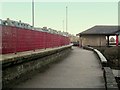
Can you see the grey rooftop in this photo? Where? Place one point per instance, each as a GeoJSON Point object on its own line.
{"type": "Point", "coordinates": [101, 30]}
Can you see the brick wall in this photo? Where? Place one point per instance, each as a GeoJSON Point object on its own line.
{"type": "Point", "coordinates": [93, 40]}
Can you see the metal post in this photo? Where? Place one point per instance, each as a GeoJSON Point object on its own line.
{"type": "Point", "coordinates": [100, 40]}
{"type": "Point", "coordinates": [80, 44]}
{"type": "Point", "coordinates": [63, 25]}
{"type": "Point", "coordinates": [33, 13]}
{"type": "Point", "coordinates": [66, 18]}
{"type": "Point", "coordinates": [117, 41]}
{"type": "Point", "coordinates": [107, 40]}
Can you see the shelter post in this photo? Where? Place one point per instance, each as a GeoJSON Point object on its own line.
{"type": "Point", "coordinates": [117, 41]}
{"type": "Point", "coordinates": [107, 40]}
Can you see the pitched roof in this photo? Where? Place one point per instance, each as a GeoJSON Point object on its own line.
{"type": "Point", "coordinates": [101, 30]}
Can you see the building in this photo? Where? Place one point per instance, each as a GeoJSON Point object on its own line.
{"type": "Point", "coordinates": [99, 35]}
{"type": "Point", "coordinates": [73, 38]}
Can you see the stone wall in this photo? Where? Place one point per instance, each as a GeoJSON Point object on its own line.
{"type": "Point", "coordinates": [21, 71]}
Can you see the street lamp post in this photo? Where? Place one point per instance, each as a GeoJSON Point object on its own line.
{"type": "Point", "coordinates": [33, 13]}
{"type": "Point", "coordinates": [66, 18]}
{"type": "Point", "coordinates": [63, 25]}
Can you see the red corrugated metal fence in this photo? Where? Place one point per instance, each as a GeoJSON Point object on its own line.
{"type": "Point", "coordinates": [16, 39]}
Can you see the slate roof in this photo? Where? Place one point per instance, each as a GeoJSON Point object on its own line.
{"type": "Point", "coordinates": [101, 30]}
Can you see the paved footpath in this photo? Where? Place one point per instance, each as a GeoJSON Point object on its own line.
{"type": "Point", "coordinates": [81, 69]}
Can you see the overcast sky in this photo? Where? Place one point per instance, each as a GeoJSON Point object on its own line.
{"type": "Point", "coordinates": [81, 15]}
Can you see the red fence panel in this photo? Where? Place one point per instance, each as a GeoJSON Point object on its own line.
{"type": "Point", "coordinates": [16, 39]}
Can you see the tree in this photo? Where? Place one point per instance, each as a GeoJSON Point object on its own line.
{"type": "Point", "coordinates": [112, 39]}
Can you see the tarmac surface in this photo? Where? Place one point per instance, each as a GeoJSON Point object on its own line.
{"type": "Point", "coordinates": [81, 69]}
